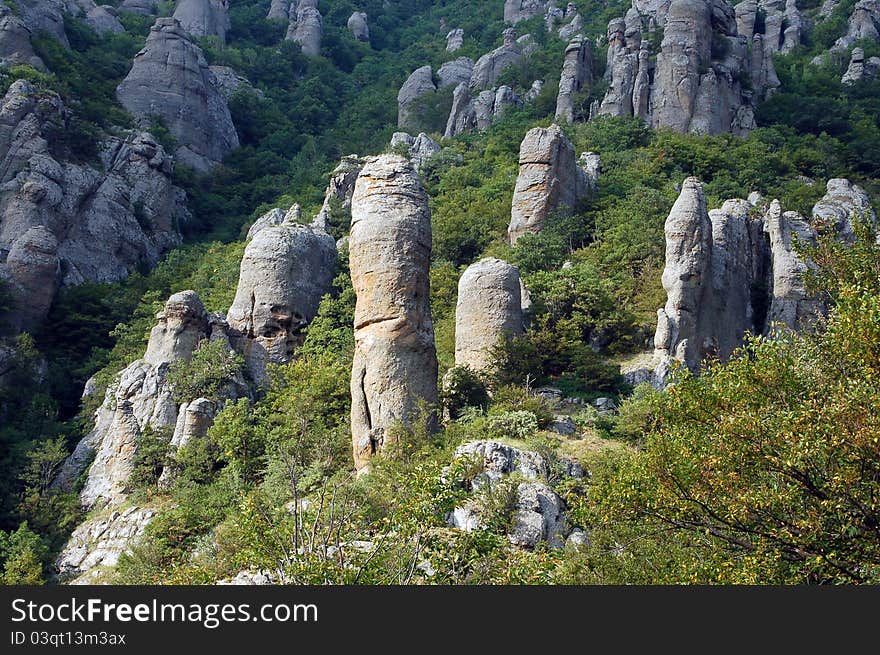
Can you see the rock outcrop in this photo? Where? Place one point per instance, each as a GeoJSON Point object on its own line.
{"type": "Point", "coordinates": [472, 111]}
{"type": "Point", "coordinates": [492, 64]}
{"type": "Point", "coordinates": [863, 24]}
{"type": "Point", "coordinates": [454, 40]}
{"type": "Point", "coordinates": [395, 363]}
{"type": "Point", "coordinates": [489, 309]}
{"type": "Point", "coordinates": [418, 84]}
{"type": "Point", "coordinates": [15, 42]}
{"type": "Point", "coordinates": [577, 73]}
{"type": "Point", "coordinates": [306, 27]}
{"type": "Point", "coordinates": [278, 10]}
{"type": "Point", "coordinates": [713, 65]}
{"type": "Point", "coordinates": [66, 223]}
{"type": "Point", "coordinates": [171, 80]}
{"type": "Point", "coordinates": [201, 18]}
{"type": "Point", "coordinates": [357, 25]}
{"type": "Point", "coordinates": [519, 10]}
{"type": "Point", "coordinates": [860, 68]}
{"type": "Point", "coordinates": [455, 72]}
{"type": "Point", "coordinates": [738, 269]}
{"type": "Point", "coordinates": [549, 178]}
{"type": "Point", "coordinates": [285, 271]}
{"type": "Point", "coordinates": [337, 196]}
{"type": "Point", "coordinates": [418, 149]}
{"type": "Point", "coordinates": [142, 7]}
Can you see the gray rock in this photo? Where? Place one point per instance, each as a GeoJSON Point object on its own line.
{"type": "Point", "coordinates": [418, 149]}
{"type": "Point", "coordinates": [105, 223]}
{"type": "Point", "coordinates": [285, 271]}
{"type": "Point", "coordinates": [573, 27]}
{"type": "Point", "coordinates": [15, 42]}
{"type": "Point", "coordinates": [418, 84]}
{"type": "Point", "coordinates": [272, 217]}
{"type": "Point", "coordinates": [577, 73]}
{"type": "Point", "coordinates": [563, 425]}
{"type": "Point", "coordinates": [250, 578]}
{"type": "Point", "coordinates": [170, 79]}
{"type": "Point", "coordinates": [45, 16]}
{"type": "Point", "coordinates": [395, 363]}
{"type": "Point", "coordinates": [228, 82]}
{"type": "Point", "coordinates": [859, 68]}
{"type": "Point", "coordinates": [278, 10]}
{"type": "Point", "coordinates": [306, 28]}
{"type": "Point", "coordinates": [454, 40]}
{"type": "Point", "coordinates": [538, 516]}
{"type": "Point", "coordinates": [337, 196]}
{"type": "Point", "coordinates": [357, 25]}
{"type": "Point", "coordinates": [142, 7]}
{"type": "Point", "coordinates": [862, 25]}
{"type": "Point", "coordinates": [843, 203]}
{"type": "Point", "coordinates": [605, 405]}
{"type": "Point", "coordinates": [549, 178]}
{"type": "Point", "coordinates": [577, 539]}
{"type": "Point", "coordinates": [489, 308]}
{"type": "Point", "coordinates": [490, 66]}
{"type": "Point", "coordinates": [519, 10]}
{"type": "Point", "coordinates": [454, 72]}
{"type": "Point", "coordinates": [33, 271]}
{"type": "Point", "coordinates": [497, 460]}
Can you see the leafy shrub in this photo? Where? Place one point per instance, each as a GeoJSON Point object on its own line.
{"type": "Point", "coordinates": [207, 374]}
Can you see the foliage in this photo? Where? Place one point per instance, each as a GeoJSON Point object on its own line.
{"type": "Point", "coordinates": [207, 374]}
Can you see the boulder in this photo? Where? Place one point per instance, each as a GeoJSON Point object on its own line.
{"type": "Point", "coordinates": [490, 66]}
{"type": "Point", "coordinates": [15, 42]}
{"type": "Point", "coordinates": [577, 73]}
{"type": "Point", "coordinates": [418, 84]}
{"type": "Point", "coordinates": [549, 178]}
{"type": "Point", "coordinates": [170, 79]}
{"type": "Point", "coordinates": [285, 271]}
{"type": "Point", "coordinates": [418, 149]}
{"type": "Point", "coordinates": [489, 308]}
{"type": "Point", "coordinates": [142, 7]}
{"type": "Point", "coordinates": [842, 203]}
{"type": "Point", "coordinates": [306, 28]}
{"type": "Point", "coordinates": [454, 72]}
{"type": "Point", "coordinates": [860, 68]}
{"type": "Point", "coordinates": [278, 10]}
{"type": "Point", "coordinates": [519, 10]}
{"type": "Point", "coordinates": [357, 25]}
{"type": "Point", "coordinates": [395, 363]}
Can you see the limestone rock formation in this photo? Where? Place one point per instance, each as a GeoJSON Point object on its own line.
{"type": "Point", "coordinates": [419, 83]}
{"type": "Point", "coordinates": [538, 512]}
{"type": "Point", "coordinates": [738, 269]}
{"type": "Point", "coordinates": [272, 217]}
{"type": "Point", "coordinates": [455, 72]}
{"type": "Point", "coordinates": [860, 68]}
{"type": "Point", "coordinates": [395, 363]}
{"type": "Point", "coordinates": [337, 196]}
{"type": "Point", "coordinates": [285, 271]}
{"type": "Point", "coordinates": [549, 178]}
{"type": "Point", "coordinates": [15, 41]}
{"type": "Point", "coordinates": [278, 10]}
{"type": "Point", "coordinates": [170, 79]}
{"type": "Point", "coordinates": [142, 7]}
{"type": "Point", "coordinates": [454, 40]}
{"type": "Point", "coordinates": [574, 23]}
{"type": "Point", "coordinates": [472, 111]}
{"type": "Point", "coordinates": [228, 82]}
{"type": "Point", "coordinates": [419, 149]}
{"type": "Point", "coordinates": [711, 69]}
{"type": "Point", "coordinates": [519, 10]}
{"type": "Point", "coordinates": [577, 73]}
{"type": "Point", "coordinates": [489, 308]}
{"type": "Point", "coordinates": [489, 66]}
{"type": "Point", "coordinates": [45, 16]}
{"type": "Point", "coordinates": [306, 27]}
{"type": "Point", "coordinates": [864, 23]}
{"type": "Point", "coordinates": [357, 25]}
{"type": "Point", "coordinates": [98, 225]}
{"type": "Point", "coordinates": [141, 397]}
{"type": "Point", "coordinates": [201, 18]}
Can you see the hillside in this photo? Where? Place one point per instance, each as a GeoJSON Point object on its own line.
{"type": "Point", "coordinates": [332, 291]}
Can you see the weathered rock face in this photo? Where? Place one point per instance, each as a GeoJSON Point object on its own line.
{"type": "Point", "coordinates": [99, 542]}
{"type": "Point", "coordinates": [202, 18]}
{"type": "Point", "coordinates": [471, 111]}
{"type": "Point", "coordinates": [549, 178]}
{"type": "Point", "coordinates": [864, 23]}
{"type": "Point", "coordinates": [419, 149]}
{"type": "Point", "coordinates": [395, 363]}
{"type": "Point", "coordinates": [357, 25]}
{"type": "Point", "coordinates": [736, 269]}
{"type": "Point", "coordinates": [538, 512]}
{"type": "Point", "coordinates": [170, 79]}
{"type": "Point", "coordinates": [418, 84]}
{"type": "Point", "coordinates": [48, 16]}
{"type": "Point", "coordinates": [306, 27]}
{"type": "Point", "coordinates": [455, 72]}
{"type": "Point", "coordinates": [489, 308]}
{"type": "Point", "coordinates": [228, 82]}
{"type": "Point", "coordinates": [490, 66]}
{"type": "Point", "coordinates": [142, 7]}
{"type": "Point", "coordinates": [454, 40]}
{"type": "Point", "coordinates": [577, 73]}
{"type": "Point", "coordinates": [278, 10]}
{"type": "Point", "coordinates": [141, 397]}
{"type": "Point", "coordinates": [15, 41]}
{"type": "Point", "coordinates": [337, 196]}
{"type": "Point", "coordinates": [97, 225]}
{"type": "Point", "coordinates": [285, 271]}
{"type": "Point", "coordinates": [695, 82]}
{"type": "Point", "coordinates": [518, 10]}
{"type": "Point", "coordinates": [860, 68]}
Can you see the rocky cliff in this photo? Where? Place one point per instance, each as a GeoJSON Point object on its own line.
{"type": "Point", "coordinates": [170, 81]}
{"type": "Point", "coordinates": [201, 18]}
{"type": "Point", "coordinates": [64, 223]}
